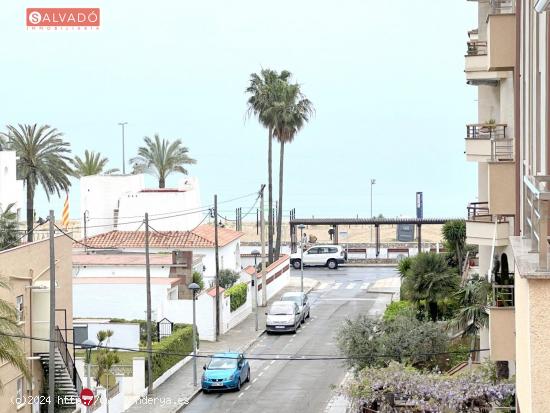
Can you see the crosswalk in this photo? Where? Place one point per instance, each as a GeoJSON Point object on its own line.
{"type": "Point", "coordinates": [344, 286]}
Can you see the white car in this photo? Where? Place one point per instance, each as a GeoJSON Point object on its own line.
{"type": "Point", "coordinates": [326, 255]}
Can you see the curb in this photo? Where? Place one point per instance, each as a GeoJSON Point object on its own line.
{"type": "Point", "coordinates": [246, 347]}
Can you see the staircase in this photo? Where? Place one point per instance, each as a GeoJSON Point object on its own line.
{"type": "Point", "coordinates": [67, 381]}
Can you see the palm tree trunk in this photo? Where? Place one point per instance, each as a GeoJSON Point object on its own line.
{"type": "Point", "coordinates": [270, 197]}
{"type": "Point", "coordinates": [280, 210]}
{"type": "Point", "coordinates": [30, 212]}
{"type": "Point", "coordinates": [432, 308]}
{"type": "Point", "coordinates": [162, 182]}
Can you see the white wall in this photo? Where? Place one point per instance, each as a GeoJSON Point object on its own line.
{"type": "Point", "coordinates": [119, 271]}
{"type": "Point", "coordinates": [11, 190]}
{"type": "Point", "coordinates": [125, 335]}
{"type": "Point", "coordinates": [108, 300]}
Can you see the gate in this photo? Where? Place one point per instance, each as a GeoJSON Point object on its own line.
{"type": "Point", "coordinates": [164, 328]}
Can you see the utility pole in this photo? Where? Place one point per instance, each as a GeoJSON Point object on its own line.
{"type": "Point", "coordinates": [262, 241]}
{"type": "Point", "coordinates": [217, 267]}
{"type": "Point", "coordinates": [123, 150]}
{"type": "Point", "coordinates": [372, 182]}
{"type": "Point", "coordinates": [85, 240]}
{"type": "Point", "coordinates": [148, 282]}
{"type": "Point", "coordinates": [51, 361]}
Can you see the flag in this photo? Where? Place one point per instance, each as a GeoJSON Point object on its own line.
{"type": "Point", "coordinates": [65, 214]}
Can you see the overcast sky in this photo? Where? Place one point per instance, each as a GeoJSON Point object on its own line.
{"type": "Point", "coordinates": [386, 79]}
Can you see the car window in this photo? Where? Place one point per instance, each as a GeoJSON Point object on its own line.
{"type": "Point", "coordinates": [222, 363]}
{"type": "Point", "coordinates": [313, 251]}
{"type": "Point", "coordinates": [332, 250]}
{"type": "Point", "coordinates": [323, 250]}
{"type": "Point", "coordinates": [294, 298]}
{"type": "Point", "coordinates": [280, 310]}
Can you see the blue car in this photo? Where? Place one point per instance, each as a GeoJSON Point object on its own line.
{"type": "Point", "coordinates": [225, 371]}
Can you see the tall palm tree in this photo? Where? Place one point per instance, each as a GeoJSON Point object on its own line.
{"type": "Point", "coordinates": [92, 164]}
{"type": "Point", "coordinates": [454, 233]}
{"type": "Point", "coordinates": [263, 94]}
{"type": "Point", "coordinates": [473, 313]}
{"type": "Point", "coordinates": [43, 158]}
{"type": "Point", "coordinates": [10, 347]}
{"type": "Point", "coordinates": [429, 279]}
{"type": "Point", "coordinates": [161, 157]}
{"type": "Point", "coordinates": [291, 112]}
{"type": "Point", "coordinates": [8, 227]}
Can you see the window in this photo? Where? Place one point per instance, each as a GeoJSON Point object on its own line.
{"type": "Point", "coordinates": [19, 308]}
{"type": "Point", "coordinates": [19, 395]}
{"type": "Point", "coordinates": [313, 251]}
{"type": "Point", "coordinates": [333, 250]}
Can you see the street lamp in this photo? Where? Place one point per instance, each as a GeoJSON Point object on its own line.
{"type": "Point", "coordinates": [301, 226]}
{"type": "Point", "coordinates": [372, 182]}
{"type": "Point", "coordinates": [88, 345]}
{"type": "Point", "coordinates": [123, 156]}
{"type": "Point", "coordinates": [256, 254]}
{"type": "Point", "coordinates": [195, 288]}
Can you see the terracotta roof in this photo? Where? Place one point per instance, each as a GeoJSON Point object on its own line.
{"type": "Point", "coordinates": [212, 291]}
{"type": "Point", "coordinates": [250, 270]}
{"type": "Point", "coordinates": [200, 237]}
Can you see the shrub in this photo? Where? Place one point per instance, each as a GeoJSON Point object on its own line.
{"type": "Point", "coordinates": [228, 278]}
{"type": "Point", "coordinates": [398, 308]}
{"type": "Point", "coordinates": [237, 295]}
{"type": "Point", "coordinates": [197, 278]}
{"type": "Point", "coordinates": [180, 342]}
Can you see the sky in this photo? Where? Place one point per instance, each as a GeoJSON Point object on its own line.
{"type": "Point", "coordinates": [386, 79]}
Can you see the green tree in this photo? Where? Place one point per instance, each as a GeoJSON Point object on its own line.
{"type": "Point", "coordinates": [228, 278]}
{"type": "Point", "coordinates": [8, 228]}
{"type": "Point", "coordinates": [43, 158]}
{"type": "Point", "coordinates": [290, 114]}
{"type": "Point", "coordinates": [105, 357]}
{"type": "Point", "coordinates": [454, 233]}
{"type": "Point", "coordinates": [429, 280]}
{"type": "Point", "coordinates": [10, 347]}
{"type": "Point", "coordinates": [197, 279]}
{"type": "Point", "coordinates": [472, 314]}
{"type": "Point", "coordinates": [262, 90]}
{"type": "Point", "coordinates": [92, 164]}
{"type": "Point", "coordinates": [162, 157]}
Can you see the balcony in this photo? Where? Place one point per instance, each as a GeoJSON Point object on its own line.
{"type": "Point", "coordinates": [502, 331]}
{"type": "Point", "coordinates": [488, 142]}
{"type": "Point", "coordinates": [501, 187]}
{"type": "Point", "coordinates": [482, 228]}
{"type": "Point", "coordinates": [501, 41]}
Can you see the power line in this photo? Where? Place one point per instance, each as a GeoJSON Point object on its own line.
{"type": "Point", "coordinates": [254, 356]}
{"type": "Point", "coordinates": [245, 215]}
{"type": "Point", "coordinates": [88, 246]}
{"type": "Point", "coordinates": [16, 242]}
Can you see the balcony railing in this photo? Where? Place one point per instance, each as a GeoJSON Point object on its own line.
{"type": "Point", "coordinates": [479, 211]}
{"type": "Point", "coordinates": [503, 295]}
{"type": "Point", "coordinates": [486, 131]}
{"type": "Point", "coordinates": [502, 6]}
{"type": "Point", "coordinates": [535, 204]}
{"type": "Point", "coordinates": [502, 149]}
{"type": "Point", "coordinates": [476, 48]}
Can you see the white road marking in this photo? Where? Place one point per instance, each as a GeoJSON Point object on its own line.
{"type": "Point", "coordinates": [260, 374]}
{"type": "Point", "coordinates": [240, 395]}
{"type": "Point", "coordinates": [350, 286]}
{"type": "Point", "coordinates": [291, 340]}
{"type": "Point", "coordinates": [364, 286]}
{"type": "Point", "coordinates": [255, 380]}
{"type": "Point", "coordinates": [336, 286]}
{"type": "Point", "coordinates": [246, 388]}
{"type": "Point", "coordinates": [273, 361]}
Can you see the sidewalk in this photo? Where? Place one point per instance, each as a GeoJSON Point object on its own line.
{"type": "Point", "coordinates": [178, 390]}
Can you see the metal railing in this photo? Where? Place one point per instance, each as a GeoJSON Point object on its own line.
{"type": "Point", "coordinates": [126, 370]}
{"type": "Point", "coordinates": [535, 204]}
{"type": "Point", "coordinates": [486, 131]}
{"type": "Point", "coordinates": [503, 295]}
{"type": "Point", "coordinates": [476, 48]}
{"type": "Point", "coordinates": [61, 345]}
{"type": "Point", "coordinates": [502, 149]}
{"type": "Point", "coordinates": [479, 211]}
{"type": "Point", "coordinates": [502, 6]}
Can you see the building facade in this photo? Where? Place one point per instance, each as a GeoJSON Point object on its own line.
{"type": "Point", "coordinates": [11, 189]}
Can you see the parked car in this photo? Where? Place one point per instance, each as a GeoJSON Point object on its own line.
{"type": "Point", "coordinates": [302, 300]}
{"type": "Point", "coordinates": [225, 371]}
{"type": "Point", "coordinates": [283, 316]}
{"type": "Point", "coordinates": [327, 255]}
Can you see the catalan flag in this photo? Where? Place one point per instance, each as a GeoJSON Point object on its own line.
{"type": "Point", "coordinates": [65, 214]}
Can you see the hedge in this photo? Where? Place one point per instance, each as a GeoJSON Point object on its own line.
{"type": "Point", "coordinates": [180, 342]}
{"type": "Point", "coordinates": [237, 295]}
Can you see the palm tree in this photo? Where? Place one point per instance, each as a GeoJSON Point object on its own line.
{"type": "Point", "coordinates": [43, 158]}
{"type": "Point", "coordinates": [10, 347]}
{"type": "Point", "coordinates": [429, 279]}
{"type": "Point", "coordinates": [8, 228]}
{"type": "Point", "coordinates": [162, 157]}
{"type": "Point", "coordinates": [473, 314]}
{"type": "Point", "coordinates": [290, 113]}
{"type": "Point", "coordinates": [92, 164]}
{"type": "Point", "coordinates": [263, 94]}
{"type": "Point", "coordinates": [454, 232]}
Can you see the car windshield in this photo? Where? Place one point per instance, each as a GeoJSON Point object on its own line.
{"type": "Point", "coordinates": [280, 310]}
{"type": "Point", "coordinates": [293, 298]}
{"type": "Point", "coordinates": [222, 363]}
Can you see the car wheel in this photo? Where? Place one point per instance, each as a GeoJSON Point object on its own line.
{"type": "Point", "coordinates": [297, 264]}
{"type": "Point", "coordinates": [248, 376]}
{"type": "Point", "coordinates": [238, 384]}
{"type": "Point", "coordinates": [308, 315]}
{"type": "Point", "coordinates": [205, 391]}
{"type": "Point", "coordinates": [332, 264]}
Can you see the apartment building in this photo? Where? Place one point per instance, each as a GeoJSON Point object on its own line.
{"type": "Point", "coordinates": [519, 329]}
{"type": "Point", "coordinates": [26, 269]}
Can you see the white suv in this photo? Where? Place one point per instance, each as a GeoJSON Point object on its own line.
{"type": "Point", "coordinates": [327, 255]}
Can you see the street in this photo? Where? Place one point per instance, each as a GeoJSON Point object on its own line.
{"type": "Point", "coordinates": [304, 386]}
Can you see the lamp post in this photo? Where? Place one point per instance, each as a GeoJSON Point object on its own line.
{"type": "Point", "coordinates": [123, 155]}
{"type": "Point", "coordinates": [372, 182]}
{"type": "Point", "coordinates": [194, 287]}
{"type": "Point", "coordinates": [88, 345]}
{"type": "Point", "coordinates": [256, 254]}
{"type": "Point", "coordinates": [301, 226]}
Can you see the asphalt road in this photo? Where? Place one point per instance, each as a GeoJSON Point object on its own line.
{"type": "Point", "coordinates": [303, 386]}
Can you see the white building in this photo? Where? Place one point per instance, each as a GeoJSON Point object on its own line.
{"type": "Point", "coordinates": [11, 189]}
{"type": "Point", "coordinates": [114, 202]}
